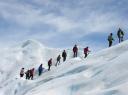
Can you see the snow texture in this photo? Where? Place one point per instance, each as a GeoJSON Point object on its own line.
{"type": "Point", "coordinates": [102, 73]}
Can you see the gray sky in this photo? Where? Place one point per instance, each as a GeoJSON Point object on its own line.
{"type": "Point", "coordinates": [62, 23]}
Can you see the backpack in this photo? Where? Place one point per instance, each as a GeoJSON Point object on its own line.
{"type": "Point", "coordinates": [110, 38]}
{"type": "Point", "coordinates": [122, 33]}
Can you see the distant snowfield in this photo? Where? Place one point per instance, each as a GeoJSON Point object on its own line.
{"type": "Point", "coordinates": [102, 73]}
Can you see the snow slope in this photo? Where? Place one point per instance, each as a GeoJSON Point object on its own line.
{"type": "Point", "coordinates": [102, 73]}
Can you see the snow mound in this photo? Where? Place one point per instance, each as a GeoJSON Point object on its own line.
{"type": "Point", "coordinates": [31, 43]}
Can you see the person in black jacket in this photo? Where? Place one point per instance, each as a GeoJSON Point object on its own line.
{"type": "Point", "coordinates": [120, 35]}
{"type": "Point", "coordinates": [58, 60]}
{"type": "Point", "coordinates": [64, 55]}
{"type": "Point", "coordinates": [27, 74]}
{"type": "Point", "coordinates": [110, 39]}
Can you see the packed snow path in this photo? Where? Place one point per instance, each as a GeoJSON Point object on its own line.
{"type": "Point", "coordinates": [102, 73]}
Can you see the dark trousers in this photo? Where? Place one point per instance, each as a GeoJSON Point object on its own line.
{"type": "Point", "coordinates": [110, 43]}
{"type": "Point", "coordinates": [86, 54]}
{"type": "Point", "coordinates": [49, 67]}
{"type": "Point", "coordinates": [21, 75]}
{"type": "Point", "coordinates": [120, 39]}
{"type": "Point", "coordinates": [75, 54]}
{"type": "Point", "coordinates": [27, 76]}
{"type": "Point", "coordinates": [57, 63]}
{"type": "Point", "coordinates": [40, 72]}
{"type": "Point", "coordinates": [64, 59]}
{"type": "Point", "coordinates": [31, 77]}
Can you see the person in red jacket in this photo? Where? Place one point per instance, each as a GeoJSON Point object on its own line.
{"type": "Point", "coordinates": [75, 50]}
{"type": "Point", "coordinates": [31, 73]}
{"type": "Point", "coordinates": [49, 64]}
{"type": "Point", "coordinates": [86, 50]}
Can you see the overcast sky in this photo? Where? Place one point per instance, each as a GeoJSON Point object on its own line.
{"type": "Point", "coordinates": [62, 23]}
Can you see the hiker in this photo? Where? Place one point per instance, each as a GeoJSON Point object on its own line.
{"type": "Point", "coordinates": [22, 72]}
{"type": "Point", "coordinates": [110, 39]}
{"type": "Point", "coordinates": [58, 60]}
{"type": "Point", "coordinates": [64, 55]}
{"type": "Point", "coordinates": [31, 73]}
{"type": "Point", "coordinates": [49, 64]}
{"type": "Point", "coordinates": [27, 74]}
{"type": "Point", "coordinates": [120, 35]}
{"type": "Point", "coordinates": [40, 69]}
{"type": "Point", "coordinates": [75, 50]}
{"type": "Point", "coordinates": [86, 51]}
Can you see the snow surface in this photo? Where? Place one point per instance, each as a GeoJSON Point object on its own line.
{"type": "Point", "coordinates": [102, 73]}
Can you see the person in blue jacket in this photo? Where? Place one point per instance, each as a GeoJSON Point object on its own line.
{"type": "Point", "coordinates": [40, 69]}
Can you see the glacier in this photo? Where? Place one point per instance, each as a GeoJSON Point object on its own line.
{"type": "Point", "coordinates": [102, 73]}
